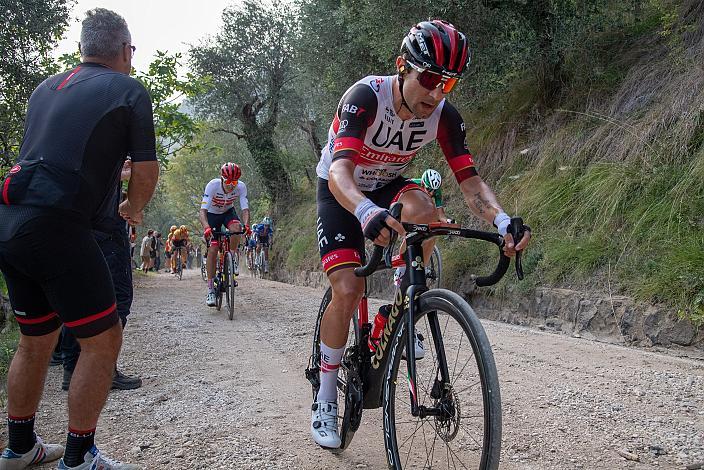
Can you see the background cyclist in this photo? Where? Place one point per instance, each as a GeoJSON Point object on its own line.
{"type": "Point", "coordinates": [265, 237]}
{"type": "Point", "coordinates": [217, 210]}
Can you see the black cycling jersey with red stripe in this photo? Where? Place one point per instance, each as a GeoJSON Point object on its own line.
{"type": "Point", "coordinates": [80, 126]}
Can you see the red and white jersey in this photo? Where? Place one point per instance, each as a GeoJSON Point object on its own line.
{"type": "Point", "coordinates": [217, 201]}
{"type": "Point", "coordinates": [367, 130]}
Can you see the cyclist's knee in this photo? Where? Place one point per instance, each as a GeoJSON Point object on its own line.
{"type": "Point", "coordinates": [418, 207]}
{"type": "Point", "coordinates": [347, 289]}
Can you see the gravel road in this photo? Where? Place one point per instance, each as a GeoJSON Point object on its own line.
{"type": "Point", "coordinates": [222, 394]}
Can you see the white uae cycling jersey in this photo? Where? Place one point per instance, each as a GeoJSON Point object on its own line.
{"type": "Point", "coordinates": [217, 201]}
{"type": "Point", "coordinates": [389, 143]}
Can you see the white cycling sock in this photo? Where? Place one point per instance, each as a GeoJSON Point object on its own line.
{"type": "Point", "coordinates": [329, 366]}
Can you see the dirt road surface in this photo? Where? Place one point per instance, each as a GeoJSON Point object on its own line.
{"type": "Point", "coordinates": [222, 394]}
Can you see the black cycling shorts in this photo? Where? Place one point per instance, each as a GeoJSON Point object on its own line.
{"type": "Point", "coordinates": [340, 237]}
{"type": "Point", "coordinates": [217, 221]}
{"type": "Point", "coordinates": [179, 243]}
{"type": "Point", "coordinates": [56, 274]}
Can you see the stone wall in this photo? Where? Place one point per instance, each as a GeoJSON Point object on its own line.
{"type": "Point", "coordinates": [615, 319]}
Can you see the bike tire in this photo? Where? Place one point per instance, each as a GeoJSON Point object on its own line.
{"type": "Point", "coordinates": [179, 261]}
{"type": "Point", "coordinates": [230, 284]}
{"type": "Point", "coordinates": [218, 285]}
{"type": "Point", "coordinates": [478, 440]}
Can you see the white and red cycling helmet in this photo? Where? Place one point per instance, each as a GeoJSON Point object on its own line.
{"type": "Point", "coordinates": [230, 172]}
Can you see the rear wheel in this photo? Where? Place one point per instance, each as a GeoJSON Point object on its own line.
{"type": "Point", "coordinates": [456, 384]}
{"type": "Point", "coordinates": [433, 270]}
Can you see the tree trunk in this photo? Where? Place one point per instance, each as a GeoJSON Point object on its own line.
{"type": "Point", "coordinates": [260, 141]}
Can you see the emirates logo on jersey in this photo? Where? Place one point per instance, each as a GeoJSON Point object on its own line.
{"type": "Point", "coordinates": [15, 169]}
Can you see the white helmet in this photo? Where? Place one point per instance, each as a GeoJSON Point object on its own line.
{"type": "Point", "coordinates": [431, 179]}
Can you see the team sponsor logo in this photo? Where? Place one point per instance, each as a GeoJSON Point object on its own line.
{"type": "Point", "coordinates": [396, 310]}
{"type": "Point", "coordinates": [322, 240]}
{"type": "Point", "coordinates": [462, 127]}
{"type": "Point", "coordinates": [352, 109]}
{"type": "Point", "coordinates": [20, 313]}
{"type": "Point", "coordinates": [374, 156]}
{"type": "Point", "coordinates": [376, 84]}
{"type": "Point", "coordinates": [421, 44]}
{"type": "Point", "coordinates": [417, 124]}
{"type": "Point", "coordinates": [15, 169]}
{"type": "Point", "coordinates": [384, 139]}
{"type": "Point", "coordinates": [343, 124]}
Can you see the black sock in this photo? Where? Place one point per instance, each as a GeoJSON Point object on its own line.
{"type": "Point", "coordinates": [21, 434]}
{"type": "Point", "coordinates": [77, 444]}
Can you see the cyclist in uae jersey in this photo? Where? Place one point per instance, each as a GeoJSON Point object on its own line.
{"type": "Point", "coordinates": [217, 210]}
{"type": "Point", "coordinates": [380, 124]}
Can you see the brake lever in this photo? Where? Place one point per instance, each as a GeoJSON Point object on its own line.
{"type": "Point", "coordinates": [395, 211]}
{"type": "Point", "coordinates": [517, 231]}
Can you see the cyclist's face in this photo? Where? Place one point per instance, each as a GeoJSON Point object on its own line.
{"type": "Point", "coordinates": [421, 101]}
{"type": "Point", "coordinates": [229, 186]}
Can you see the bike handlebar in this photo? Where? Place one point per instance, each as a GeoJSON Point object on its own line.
{"type": "Point", "coordinates": [416, 232]}
{"type": "Point", "coordinates": [226, 233]}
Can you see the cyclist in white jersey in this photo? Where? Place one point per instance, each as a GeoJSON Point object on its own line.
{"type": "Point", "coordinates": [217, 210]}
{"type": "Point", "coordinates": [380, 124]}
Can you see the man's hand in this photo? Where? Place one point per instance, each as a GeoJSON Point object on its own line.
{"type": "Point", "coordinates": [126, 172]}
{"type": "Point", "coordinates": [510, 248]}
{"type": "Point", "coordinates": [377, 227]}
{"type": "Point", "coordinates": [128, 213]}
{"type": "Point", "coordinates": [207, 232]}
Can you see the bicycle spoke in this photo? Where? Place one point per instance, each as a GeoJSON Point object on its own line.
{"type": "Point", "coordinates": [452, 452]}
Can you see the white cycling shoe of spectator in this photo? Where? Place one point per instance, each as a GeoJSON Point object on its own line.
{"type": "Point", "coordinates": [40, 453]}
{"type": "Point", "coordinates": [95, 460]}
{"type": "Point", "coordinates": [323, 424]}
{"type": "Point", "coordinates": [210, 299]}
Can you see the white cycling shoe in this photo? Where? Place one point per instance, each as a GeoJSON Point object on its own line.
{"type": "Point", "coordinates": [419, 347]}
{"type": "Point", "coordinates": [323, 424]}
{"type": "Point", "coordinates": [210, 299]}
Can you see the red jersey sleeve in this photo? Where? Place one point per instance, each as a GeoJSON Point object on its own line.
{"type": "Point", "coordinates": [452, 140]}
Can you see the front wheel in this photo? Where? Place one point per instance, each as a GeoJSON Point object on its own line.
{"type": "Point", "coordinates": [230, 284]}
{"type": "Point", "coordinates": [179, 266]}
{"type": "Point", "coordinates": [457, 388]}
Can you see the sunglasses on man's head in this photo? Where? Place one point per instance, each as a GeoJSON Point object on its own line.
{"type": "Point", "coordinates": [431, 80]}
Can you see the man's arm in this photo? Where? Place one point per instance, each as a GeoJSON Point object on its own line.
{"type": "Point", "coordinates": [482, 202]}
{"type": "Point", "coordinates": [141, 187]}
{"type": "Point", "coordinates": [203, 218]}
{"type": "Point", "coordinates": [245, 217]}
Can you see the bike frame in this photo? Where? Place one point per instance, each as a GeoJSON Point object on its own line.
{"type": "Point", "coordinates": [403, 310]}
